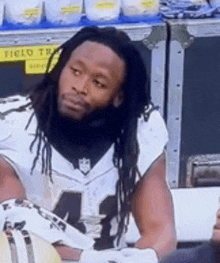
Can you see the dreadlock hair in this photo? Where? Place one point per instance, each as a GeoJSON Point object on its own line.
{"type": "Point", "coordinates": [136, 94]}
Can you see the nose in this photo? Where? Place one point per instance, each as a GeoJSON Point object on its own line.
{"type": "Point", "coordinates": [81, 86]}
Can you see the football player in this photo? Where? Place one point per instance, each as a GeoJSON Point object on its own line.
{"type": "Point", "coordinates": [85, 148]}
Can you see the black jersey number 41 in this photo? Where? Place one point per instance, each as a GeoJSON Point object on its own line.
{"type": "Point", "coordinates": [69, 209]}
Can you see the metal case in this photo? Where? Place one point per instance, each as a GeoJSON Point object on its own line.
{"type": "Point", "coordinates": [193, 108]}
{"type": "Point", "coordinates": [150, 39]}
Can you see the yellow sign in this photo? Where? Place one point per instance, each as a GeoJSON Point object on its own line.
{"type": "Point", "coordinates": [148, 4]}
{"type": "Point", "coordinates": [108, 5]}
{"type": "Point", "coordinates": [31, 12]}
{"type": "Point", "coordinates": [35, 57]}
{"type": "Point", "coordinates": [37, 66]}
{"type": "Point", "coordinates": [70, 9]}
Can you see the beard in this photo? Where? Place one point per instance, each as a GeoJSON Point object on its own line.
{"type": "Point", "coordinates": [89, 138]}
{"type": "Point", "coordinates": [105, 123]}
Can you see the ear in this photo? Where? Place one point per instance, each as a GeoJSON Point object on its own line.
{"type": "Point", "coordinates": [118, 99]}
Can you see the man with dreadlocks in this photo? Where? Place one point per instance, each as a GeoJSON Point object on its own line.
{"type": "Point", "coordinates": [83, 149]}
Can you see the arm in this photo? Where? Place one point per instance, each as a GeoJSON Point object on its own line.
{"type": "Point", "coordinates": [152, 208]}
{"type": "Point", "coordinates": [12, 188]}
{"type": "Point", "coordinates": [10, 185]}
{"type": "Point", "coordinates": [216, 229]}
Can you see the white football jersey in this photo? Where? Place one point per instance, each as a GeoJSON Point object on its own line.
{"type": "Point", "coordinates": [85, 200]}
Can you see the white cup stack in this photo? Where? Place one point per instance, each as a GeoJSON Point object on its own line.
{"type": "Point", "coordinates": [63, 12]}
{"type": "Point", "coordinates": [140, 7]}
{"type": "Point", "coordinates": [102, 10]}
{"type": "Point", "coordinates": [24, 12]}
{"type": "Point", "coordinates": [2, 5]}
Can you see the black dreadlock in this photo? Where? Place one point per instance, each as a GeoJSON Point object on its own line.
{"type": "Point", "coordinates": [136, 96]}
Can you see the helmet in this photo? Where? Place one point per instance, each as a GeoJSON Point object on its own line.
{"type": "Point", "coordinates": [22, 246]}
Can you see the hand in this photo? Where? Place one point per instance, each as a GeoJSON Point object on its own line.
{"type": "Point", "coordinates": [68, 253]}
{"type": "Point", "coordinates": [216, 229]}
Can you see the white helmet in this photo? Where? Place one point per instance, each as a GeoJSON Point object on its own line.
{"type": "Point", "coordinates": [21, 246]}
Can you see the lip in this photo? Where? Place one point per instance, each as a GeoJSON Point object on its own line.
{"type": "Point", "coordinates": [74, 102]}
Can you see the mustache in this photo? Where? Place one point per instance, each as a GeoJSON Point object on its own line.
{"type": "Point", "coordinates": [75, 99]}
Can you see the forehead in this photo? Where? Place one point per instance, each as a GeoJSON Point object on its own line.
{"type": "Point", "coordinates": [96, 53]}
{"type": "Point", "coordinates": [88, 46]}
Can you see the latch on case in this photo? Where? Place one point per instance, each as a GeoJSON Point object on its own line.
{"type": "Point", "coordinates": [203, 170]}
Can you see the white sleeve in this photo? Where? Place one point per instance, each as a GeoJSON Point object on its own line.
{"type": "Point", "coordinates": [152, 138]}
{"type": "Point", "coordinates": [5, 131]}
{"type": "Point", "coordinates": [14, 139]}
{"type": "Point", "coordinates": [24, 215]}
{"type": "Point", "coordinates": [10, 119]}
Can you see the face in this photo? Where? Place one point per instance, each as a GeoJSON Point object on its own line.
{"type": "Point", "coordinates": [91, 80]}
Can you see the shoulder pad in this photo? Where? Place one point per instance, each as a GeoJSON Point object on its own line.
{"type": "Point", "coordinates": [13, 103]}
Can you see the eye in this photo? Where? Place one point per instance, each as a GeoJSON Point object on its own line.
{"type": "Point", "coordinates": [99, 84]}
{"type": "Point", "coordinates": [75, 71]}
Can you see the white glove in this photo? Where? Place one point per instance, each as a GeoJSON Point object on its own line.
{"type": "Point", "coordinates": [103, 256]}
{"type": "Point", "coordinates": [136, 255]}
{"type": "Point", "coordinates": [126, 255]}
